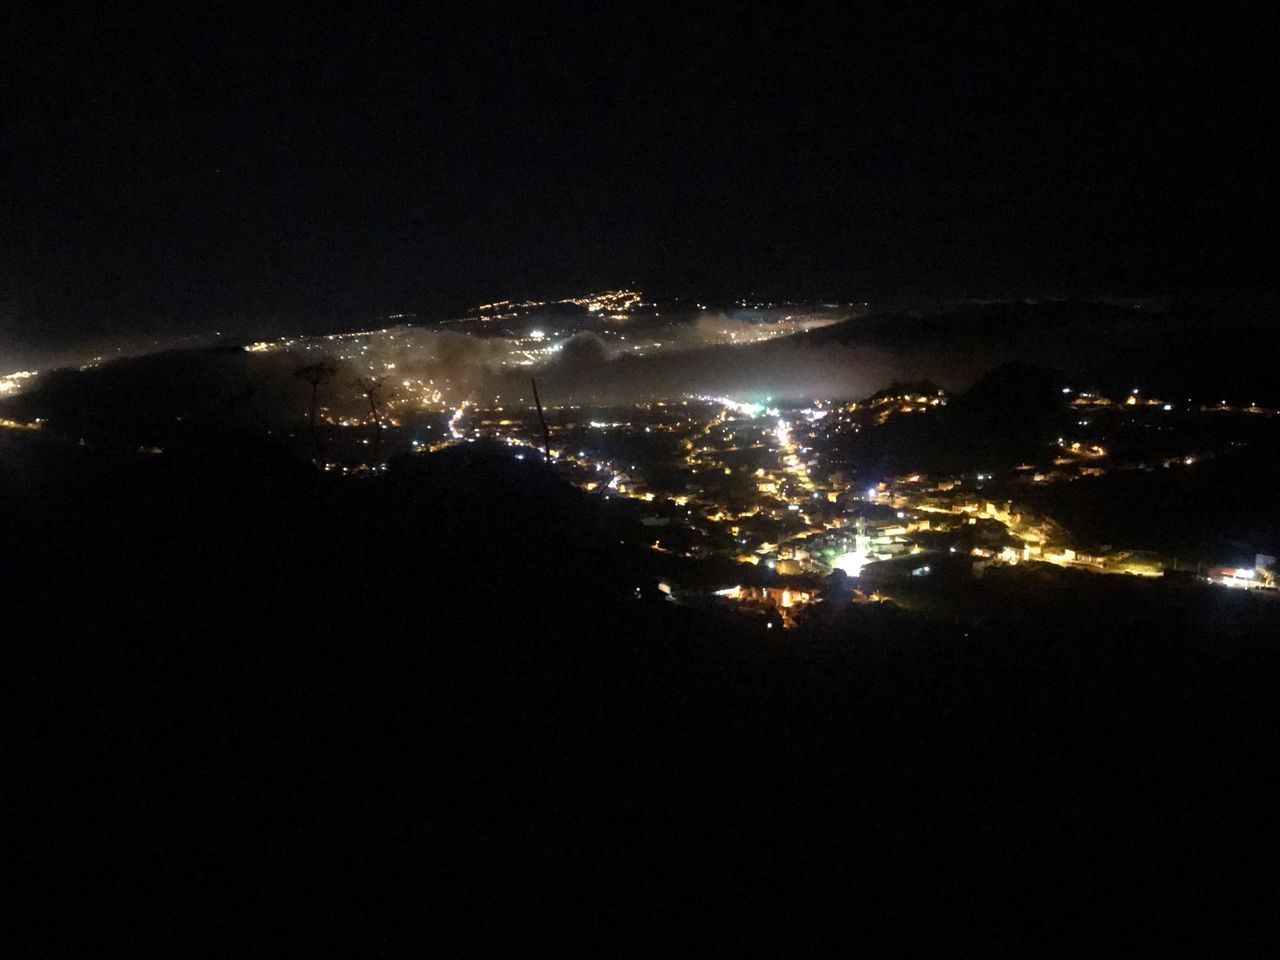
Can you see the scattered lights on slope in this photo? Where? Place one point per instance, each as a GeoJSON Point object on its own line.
{"type": "Point", "coordinates": [455, 421]}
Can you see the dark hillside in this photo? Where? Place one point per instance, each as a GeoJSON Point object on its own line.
{"type": "Point", "coordinates": [1002, 420]}
{"type": "Point", "coordinates": [261, 711]}
{"type": "Point", "coordinates": [1185, 350]}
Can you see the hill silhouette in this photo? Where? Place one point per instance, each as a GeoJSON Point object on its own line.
{"type": "Point", "coordinates": [187, 397]}
{"type": "Point", "coordinates": [1004, 419]}
{"type": "Point", "coordinates": [1185, 349]}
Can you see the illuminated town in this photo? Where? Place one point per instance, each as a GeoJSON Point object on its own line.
{"type": "Point", "coordinates": [779, 487]}
{"type": "Point", "coordinates": [765, 484]}
{"type": "Point", "coordinates": [775, 485]}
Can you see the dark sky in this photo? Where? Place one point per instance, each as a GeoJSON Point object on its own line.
{"type": "Point", "coordinates": [209, 167]}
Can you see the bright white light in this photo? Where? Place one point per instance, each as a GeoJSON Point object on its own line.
{"type": "Point", "coordinates": [745, 409]}
{"type": "Point", "coordinates": [536, 334]}
{"type": "Point", "coordinates": [851, 563]}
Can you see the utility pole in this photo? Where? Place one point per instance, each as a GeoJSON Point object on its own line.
{"type": "Point", "coordinates": [546, 434]}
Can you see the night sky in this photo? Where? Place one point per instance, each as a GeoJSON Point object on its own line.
{"type": "Point", "coordinates": [214, 167]}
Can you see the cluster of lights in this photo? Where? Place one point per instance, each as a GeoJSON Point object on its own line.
{"type": "Point", "coordinates": [789, 489]}
{"type": "Point", "coordinates": [12, 383]}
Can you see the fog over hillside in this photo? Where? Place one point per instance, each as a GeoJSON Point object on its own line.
{"type": "Point", "coordinates": [695, 353]}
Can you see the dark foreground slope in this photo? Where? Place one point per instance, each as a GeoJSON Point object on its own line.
{"type": "Point", "coordinates": [265, 714]}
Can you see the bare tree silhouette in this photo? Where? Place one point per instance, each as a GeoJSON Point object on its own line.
{"type": "Point", "coordinates": [371, 387]}
{"type": "Point", "coordinates": [321, 371]}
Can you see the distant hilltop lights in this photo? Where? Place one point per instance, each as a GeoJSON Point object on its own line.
{"type": "Point", "coordinates": [530, 333]}
{"type": "Point", "coordinates": [612, 301]}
